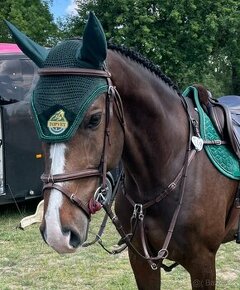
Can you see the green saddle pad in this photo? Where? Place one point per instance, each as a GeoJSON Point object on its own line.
{"type": "Point", "coordinates": [221, 156]}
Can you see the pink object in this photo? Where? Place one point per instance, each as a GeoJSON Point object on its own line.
{"type": "Point", "coordinates": [94, 206]}
{"type": "Point", "coordinates": [9, 48]}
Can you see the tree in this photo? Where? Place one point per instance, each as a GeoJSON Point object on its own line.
{"type": "Point", "coordinates": [31, 17]}
{"type": "Point", "coordinates": [192, 40]}
{"type": "Point", "coordinates": [229, 39]}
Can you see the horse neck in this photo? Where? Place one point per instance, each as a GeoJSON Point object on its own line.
{"type": "Point", "coordinates": [156, 124]}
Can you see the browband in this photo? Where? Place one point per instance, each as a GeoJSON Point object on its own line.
{"type": "Point", "coordinates": [73, 71]}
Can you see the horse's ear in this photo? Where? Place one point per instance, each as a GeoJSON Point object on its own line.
{"type": "Point", "coordinates": [34, 51]}
{"type": "Point", "coordinates": [94, 47]}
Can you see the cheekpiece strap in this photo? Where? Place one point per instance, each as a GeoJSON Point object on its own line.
{"type": "Point", "coordinates": [73, 71]}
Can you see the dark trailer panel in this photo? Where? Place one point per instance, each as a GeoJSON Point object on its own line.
{"type": "Point", "coordinates": [21, 162]}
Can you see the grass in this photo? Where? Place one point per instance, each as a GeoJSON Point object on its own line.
{"type": "Point", "coordinates": [26, 262]}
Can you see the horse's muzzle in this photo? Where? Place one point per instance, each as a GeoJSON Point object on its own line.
{"type": "Point", "coordinates": [62, 241]}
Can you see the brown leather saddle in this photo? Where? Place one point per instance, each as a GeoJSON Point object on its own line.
{"type": "Point", "coordinates": [225, 115]}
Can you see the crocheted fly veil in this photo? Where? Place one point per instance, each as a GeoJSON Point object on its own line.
{"type": "Point", "coordinates": [59, 102]}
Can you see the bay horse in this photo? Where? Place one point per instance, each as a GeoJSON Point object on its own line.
{"type": "Point", "coordinates": [138, 116]}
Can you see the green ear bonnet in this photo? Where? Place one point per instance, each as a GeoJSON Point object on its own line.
{"type": "Point", "coordinates": [59, 102]}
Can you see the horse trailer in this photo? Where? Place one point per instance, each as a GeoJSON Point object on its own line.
{"type": "Point", "coordinates": [21, 157]}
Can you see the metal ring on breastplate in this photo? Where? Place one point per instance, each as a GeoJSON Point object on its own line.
{"type": "Point", "coordinates": [163, 253]}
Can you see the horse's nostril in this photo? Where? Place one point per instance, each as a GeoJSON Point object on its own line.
{"type": "Point", "coordinates": [74, 240]}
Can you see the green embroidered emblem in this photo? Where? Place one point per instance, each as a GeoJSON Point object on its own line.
{"type": "Point", "coordinates": [57, 124]}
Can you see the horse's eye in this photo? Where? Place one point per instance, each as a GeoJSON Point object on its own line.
{"type": "Point", "coordinates": [94, 121]}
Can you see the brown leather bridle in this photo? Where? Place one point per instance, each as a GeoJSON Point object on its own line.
{"type": "Point", "coordinates": [112, 97]}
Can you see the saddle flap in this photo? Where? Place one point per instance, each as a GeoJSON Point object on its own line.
{"type": "Point", "coordinates": [225, 114]}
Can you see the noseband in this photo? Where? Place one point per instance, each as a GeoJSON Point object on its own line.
{"type": "Point", "coordinates": [52, 181]}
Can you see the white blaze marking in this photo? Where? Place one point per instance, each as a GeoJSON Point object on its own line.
{"type": "Point", "coordinates": [53, 224]}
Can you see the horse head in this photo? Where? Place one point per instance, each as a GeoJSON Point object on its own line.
{"type": "Point", "coordinates": [74, 107]}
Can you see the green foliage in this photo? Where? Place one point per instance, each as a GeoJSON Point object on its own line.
{"type": "Point", "coordinates": [192, 40]}
{"type": "Point", "coordinates": [32, 17]}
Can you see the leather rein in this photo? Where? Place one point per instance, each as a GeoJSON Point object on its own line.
{"type": "Point", "coordinates": [113, 101]}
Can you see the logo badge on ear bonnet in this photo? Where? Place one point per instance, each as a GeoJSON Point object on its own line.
{"type": "Point", "coordinates": [57, 123]}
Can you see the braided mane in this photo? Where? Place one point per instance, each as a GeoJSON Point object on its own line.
{"type": "Point", "coordinates": [137, 57]}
